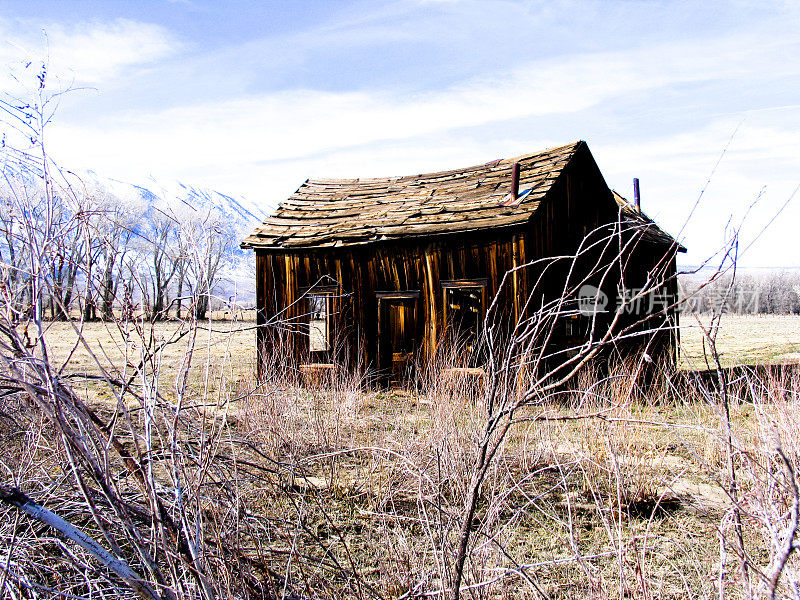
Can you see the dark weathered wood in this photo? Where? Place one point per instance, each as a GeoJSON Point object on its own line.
{"type": "Point", "coordinates": [403, 295]}
{"type": "Point", "coordinates": [457, 283]}
{"type": "Point", "coordinates": [407, 239]}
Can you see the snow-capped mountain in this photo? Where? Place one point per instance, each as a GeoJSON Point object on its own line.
{"type": "Point", "coordinates": [176, 197]}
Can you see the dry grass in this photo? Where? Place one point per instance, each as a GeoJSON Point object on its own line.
{"type": "Point", "coordinates": [743, 339]}
{"type": "Point", "coordinates": [606, 495]}
{"type": "Point", "coordinates": [636, 490]}
{"type": "Point", "coordinates": [224, 343]}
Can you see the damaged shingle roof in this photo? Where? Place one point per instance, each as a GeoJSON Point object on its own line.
{"type": "Point", "coordinates": [346, 212]}
{"type": "Point", "coordinates": [343, 212]}
{"type": "Point", "coordinates": [647, 228]}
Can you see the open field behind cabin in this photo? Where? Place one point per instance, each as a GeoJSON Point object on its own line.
{"type": "Point", "coordinates": [221, 350]}
{"type": "Point", "coordinates": [742, 339]}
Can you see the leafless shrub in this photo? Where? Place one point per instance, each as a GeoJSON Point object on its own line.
{"type": "Point", "coordinates": [153, 494]}
{"type": "Point", "coordinates": [554, 472]}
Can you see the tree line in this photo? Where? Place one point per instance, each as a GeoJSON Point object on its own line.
{"type": "Point", "coordinates": [67, 245]}
{"type": "Point", "coordinates": [774, 292]}
{"type": "Point", "coordinates": [105, 257]}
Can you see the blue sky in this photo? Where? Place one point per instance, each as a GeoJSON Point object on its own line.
{"type": "Point", "coordinates": [251, 98]}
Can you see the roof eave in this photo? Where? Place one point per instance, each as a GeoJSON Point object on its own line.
{"type": "Point", "coordinates": [421, 238]}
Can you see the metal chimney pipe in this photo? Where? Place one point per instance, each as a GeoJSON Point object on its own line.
{"type": "Point", "coordinates": [515, 180]}
{"type": "Point", "coordinates": [637, 199]}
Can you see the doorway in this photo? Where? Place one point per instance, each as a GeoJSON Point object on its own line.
{"type": "Point", "coordinates": [464, 312]}
{"type": "Point", "coordinates": [398, 332]}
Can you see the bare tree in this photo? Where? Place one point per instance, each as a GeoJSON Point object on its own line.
{"type": "Point", "coordinates": [208, 243]}
{"type": "Point", "coordinates": [13, 251]}
{"type": "Point", "coordinates": [773, 292]}
{"type": "Point", "coordinates": [66, 257]}
{"type": "Point", "coordinates": [113, 250]}
{"type": "Point", "coordinates": [151, 532]}
{"type": "Point", "coordinates": [161, 242]}
{"type": "Point", "coordinates": [182, 273]}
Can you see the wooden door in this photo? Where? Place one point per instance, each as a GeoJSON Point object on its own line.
{"type": "Point", "coordinates": [398, 334]}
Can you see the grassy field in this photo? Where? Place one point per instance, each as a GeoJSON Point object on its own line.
{"type": "Point", "coordinates": [336, 491]}
{"type": "Point", "coordinates": [742, 339]}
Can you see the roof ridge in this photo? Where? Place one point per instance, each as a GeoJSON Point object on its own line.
{"type": "Point", "coordinates": [323, 212]}
{"type": "Point", "coordinates": [504, 162]}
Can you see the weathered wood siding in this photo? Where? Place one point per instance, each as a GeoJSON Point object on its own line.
{"type": "Point", "coordinates": [363, 272]}
{"type": "Point", "coordinates": [578, 203]}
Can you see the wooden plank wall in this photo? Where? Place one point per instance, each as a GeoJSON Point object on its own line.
{"type": "Point", "coordinates": [578, 202]}
{"type": "Point", "coordinates": [362, 272]}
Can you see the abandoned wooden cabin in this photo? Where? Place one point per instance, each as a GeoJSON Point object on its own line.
{"type": "Point", "coordinates": [382, 271]}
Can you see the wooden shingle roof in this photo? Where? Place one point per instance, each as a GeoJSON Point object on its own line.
{"type": "Point", "coordinates": [646, 227]}
{"type": "Point", "coordinates": [344, 212]}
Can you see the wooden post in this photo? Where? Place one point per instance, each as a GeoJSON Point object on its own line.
{"type": "Point", "coordinates": [430, 298]}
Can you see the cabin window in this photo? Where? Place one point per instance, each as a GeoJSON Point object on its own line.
{"type": "Point", "coordinates": [464, 308]}
{"type": "Point", "coordinates": [319, 323]}
{"type": "Point", "coordinates": [574, 326]}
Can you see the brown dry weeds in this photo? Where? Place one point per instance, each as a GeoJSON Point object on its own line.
{"type": "Point", "coordinates": [627, 500]}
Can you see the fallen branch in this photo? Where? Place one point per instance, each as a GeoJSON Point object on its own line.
{"type": "Point", "coordinates": [14, 497]}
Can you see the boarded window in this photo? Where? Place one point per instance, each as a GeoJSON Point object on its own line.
{"type": "Point", "coordinates": [319, 326]}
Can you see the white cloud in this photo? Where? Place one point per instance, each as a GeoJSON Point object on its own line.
{"type": "Point", "coordinates": [89, 52]}
{"type": "Point", "coordinates": [300, 123]}
{"type": "Point", "coordinates": [264, 145]}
